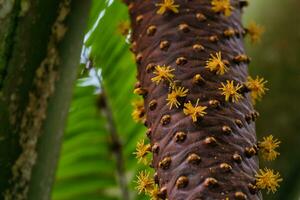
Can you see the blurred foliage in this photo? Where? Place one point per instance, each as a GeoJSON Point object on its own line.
{"type": "Point", "coordinates": [277, 59]}
{"type": "Point", "coordinates": [87, 166]}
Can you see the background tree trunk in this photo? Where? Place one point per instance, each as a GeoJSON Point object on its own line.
{"type": "Point", "coordinates": [40, 51]}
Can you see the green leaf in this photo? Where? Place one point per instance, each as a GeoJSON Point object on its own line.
{"type": "Point", "coordinates": [87, 168]}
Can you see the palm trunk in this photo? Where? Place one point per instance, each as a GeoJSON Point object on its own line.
{"type": "Point", "coordinates": [40, 52]}
{"type": "Point", "coordinates": [213, 156]}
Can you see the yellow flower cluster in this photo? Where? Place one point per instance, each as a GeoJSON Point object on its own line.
{"type": "Point", "coordinates": [222, 6]}
{"type": "Point", "coordinates": [268, 179]}
{"type": "Point", "coordinates": [194, 111]}
{"type": "Point", "coordinates": [255, 31]}
{"type": "Point", "coordinates": [138, 113]}
{"type": "Point", "coordinates": [215, 64]}
{"type": "Point", "coordinates": [268, 146]}
{"type": "Point", "coordinates": [257, 87]}
{"type": "Point", "coordinates": [167, 5]}
{"type": "Point", "coordinates": [230, 91]}
{"type": "Point", "coordinates": [163, 73]}
{"type": "Point", "coordinates": [142, 150]}
{"type": "Point", "coordinates": [145, 184]}
{"type": "Point", "coordinates": [176, 93]}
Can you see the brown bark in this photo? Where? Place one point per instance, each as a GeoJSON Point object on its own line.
{"type": "Point", "coordinates": [215, 157]}
{"type": "Point", "coordinates": [38, 58]}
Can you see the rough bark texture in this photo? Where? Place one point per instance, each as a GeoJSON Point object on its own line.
{"type": "Point", "coordinates": [38, 57]}
{"type": "Point", "coordinates": [224, 138]}
{"type": "Point", "coordinates": [23, 54]}
{"type": "Point", "coordinates": [49, 144]}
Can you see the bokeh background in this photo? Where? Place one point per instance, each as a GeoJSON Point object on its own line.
{"type": "Point", "coordinates": [100, 136]}
{"type": "Point", "coordinates": [277, 58]}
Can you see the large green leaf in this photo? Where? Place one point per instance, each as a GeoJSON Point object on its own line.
{"type": "Point", "coordinates": [87, 168]}
{"type": "Point", "coordinates": [110, 52]}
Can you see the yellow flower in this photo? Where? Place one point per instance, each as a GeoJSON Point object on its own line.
{"type": "Point", "coordinates": [255, 31]}
{"type": "Point", "coordinates": [172, 97]}
{"type": "Point", "coordinates": [222, 6]}
{"type": "Point", "coordinates": [230, 91]}
{"type": "Point", "coordinates": [216, 64]}
{"type": "Point", "coordinates": [144, 182]}
{"type": "Point", "coordinates": [124, 28]}
{"type": "Point", "coordinates": [154, 193]}
{"type": "Point", "coordinates": [138, 113]}
{"type": "Point", "coordinates": [257, 87]}
{"type": "Point", "coordinates": [167, 5]}
{"type": "Point", "coordinates": [163, 73]}
{"type": "Point", "coordinates": [142, 151]}
{"type": "Point", "coordinates": [268, 146]}
{"type": "Point", "coordinates": [267, 179]}
{"type": "Point", "coordinates": [194, 111]}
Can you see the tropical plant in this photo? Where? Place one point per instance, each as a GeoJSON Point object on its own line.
{"type": "Point", "coordinates": [197, 92]}
{"type": "Point", "coordinates": [197, 102]}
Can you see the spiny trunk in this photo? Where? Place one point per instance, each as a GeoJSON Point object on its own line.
{"type": "Point", "coordinates": [214, 156]}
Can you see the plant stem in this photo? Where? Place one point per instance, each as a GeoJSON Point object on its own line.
{"type": "Point", "coordinates": [116, 144]}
